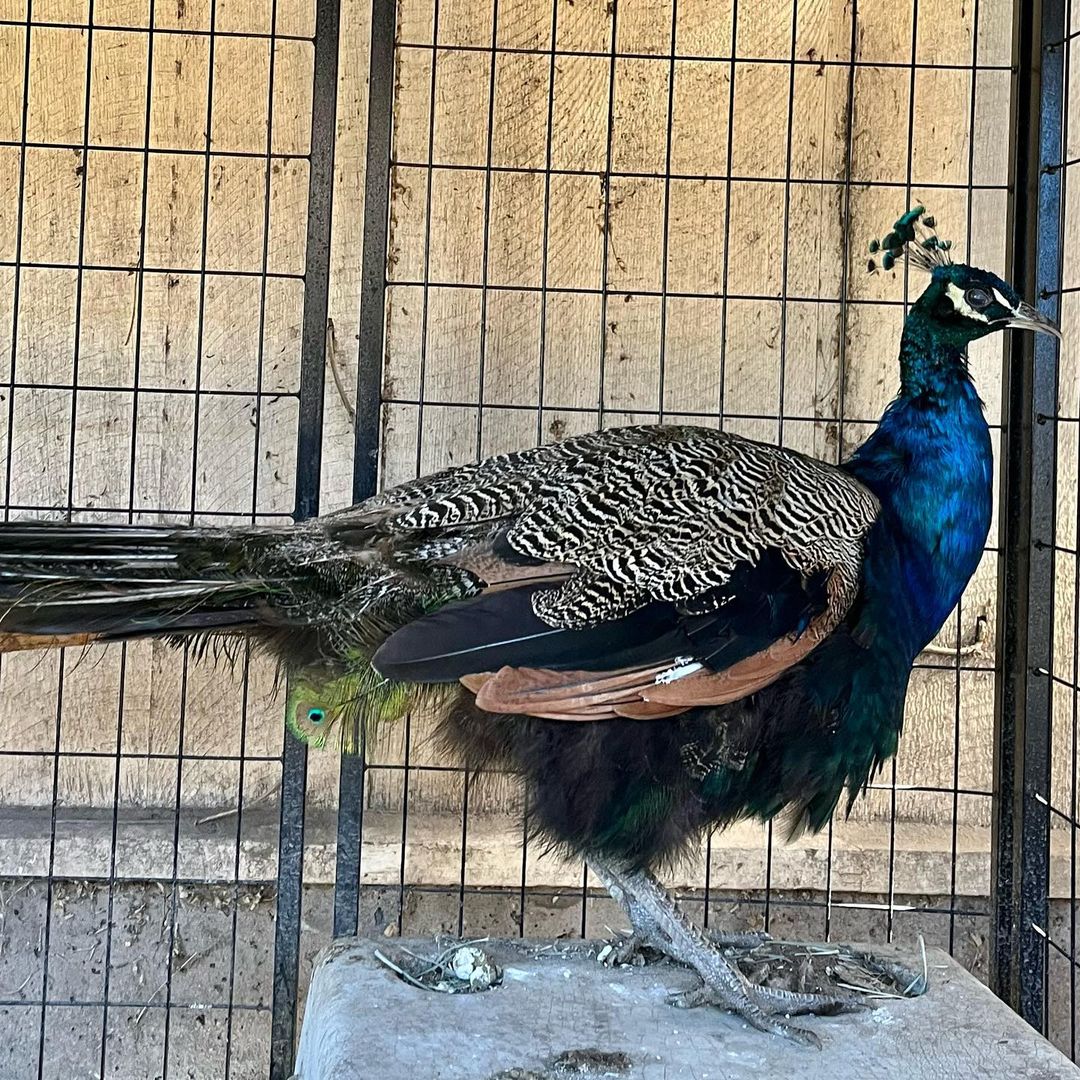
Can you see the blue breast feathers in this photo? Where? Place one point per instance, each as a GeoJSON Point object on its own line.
{"type": "Point", "coordinates": [930, 463]}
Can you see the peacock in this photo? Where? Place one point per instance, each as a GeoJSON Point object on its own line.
{"type": "Point", "coordinates": [661, 629]}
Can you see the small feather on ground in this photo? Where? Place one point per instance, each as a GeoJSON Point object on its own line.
{"type": "Point", "coordinates": [460, 968]}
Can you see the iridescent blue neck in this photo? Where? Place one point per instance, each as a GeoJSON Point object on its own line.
{"type": "Point", "coordinates": [930, 364]}
{"type": "Point", "coordinates": [930, 463]}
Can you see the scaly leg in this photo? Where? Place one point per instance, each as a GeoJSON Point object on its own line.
{"type": "Point", "coordinates": [659, 923]}
{"type": "Point", "coordinates": [631, 948]}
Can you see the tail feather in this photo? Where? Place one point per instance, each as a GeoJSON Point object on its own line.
{"type": "Point", "coordinates": [278, 584]}
{"type": "Point", "coordinates": [319, 603]}
{"type": "Point", "coordinates": [117, 582]}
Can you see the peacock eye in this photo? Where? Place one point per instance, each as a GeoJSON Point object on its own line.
{"type": "Point", "coordinates": [316, 716]}
{"type": "Point", "coordinates": [978, 298]}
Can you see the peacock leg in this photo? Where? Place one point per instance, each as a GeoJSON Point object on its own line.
{"type": "Point", "coordinates": [775, 1000]}
{"type": "Point", "coordinates": [659, 923]}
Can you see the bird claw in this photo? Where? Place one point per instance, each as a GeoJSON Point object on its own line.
{"type": "Point", "coordinates": [694, 998]}
{"type": "Point", "coordinates": [743, 940]}
{"type": "Point", "coordinates": [793, 1003]}
{"type": "Point", "coordinates": [626, 951]}
{"type": "Point", "coordinates": [755, 1016]}
{"type": "Point", "coordinates": [661, 926]}
{"type": "Point", "coordinates": [775, 1003]}
{"type": "Point", "coordinates": [758, 1018]}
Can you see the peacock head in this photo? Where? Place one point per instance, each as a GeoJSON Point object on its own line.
{"type": "Point", "coordinates": [962, 303]}
{"type": "Point", "coordinates": [965, 303]}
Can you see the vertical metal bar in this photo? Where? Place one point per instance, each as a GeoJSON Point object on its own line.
{"type": "Point", "coordinates": [1023, 717]}
{"type": "Point", "coordinates": [1073, 701]}
{"type": "Point", "coordinates": [732, 80]}
{"type": "Point", "coordinates": [540, 372]}
{"type": "Point", "coordinates": [841, 357]}
{"type": "Point", "coordinates": [665, 232]}
{"type": "Point", "coordinates": [422, 398]}
{"type": "Point", "coordinates": [268, 172]}
{"type": "Point", "coordinates": [782, 379]}
{"type": "Point", "coordinates": [890, 912]}
{"type": "Point", "coordinates": [1014, 541]}
{"type": "Point", "coordinates": [376, 226]}
{"type": "Point", "coordinates": [287, 919]}
{"type": "Point", "coordinates": [73, 406]}
{"type": "Point", "coordinates": [605, 266]}
{"type": "Point", "coordinates": [605, 296]}
{"type": "Point", "coordinates": [351, 781]}
{"type": "Point", "coordinates": [1035, 833]}
{"type": "Point", "coordinates": [958, 682]}
{"type": "Point", "coordinates": [308, 474]}
{"type": "Point", "coordinates": [137, 335]}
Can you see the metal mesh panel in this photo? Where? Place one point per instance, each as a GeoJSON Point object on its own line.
{"type": "Point", "coordinates": [1040, 733]}
{"type": "Point", "coordinates": [576, 214]}
{"type": "Point", "coordinates": [155, 159]}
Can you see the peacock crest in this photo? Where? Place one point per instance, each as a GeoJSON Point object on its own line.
{"type": "Point", "coordinates": [913, 234]}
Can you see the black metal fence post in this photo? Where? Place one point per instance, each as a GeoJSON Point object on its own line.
{"type": "Point", "coordinates": [308, 474]}
{"type": "Point", "coordinates": [368, 398]}
{"type": "Point", "coordinates": [1021, 843]}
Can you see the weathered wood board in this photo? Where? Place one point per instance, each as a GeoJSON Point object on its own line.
{"type": "Point", "coordinates": [656, 206]}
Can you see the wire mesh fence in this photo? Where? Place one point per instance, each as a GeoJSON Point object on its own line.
{"type": "Point", "coordinates": [156, 162]}
{"type": "Point", "coordinates": [606, 214]}
{"type": "Point", "coordinates": [575, 213]}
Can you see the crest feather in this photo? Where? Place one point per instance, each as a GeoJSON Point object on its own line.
{"type": "Point", "coordinates": [912, 236]}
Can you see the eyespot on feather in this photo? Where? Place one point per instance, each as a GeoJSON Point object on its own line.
{"type": "Point", "coordinates": [311, 723]}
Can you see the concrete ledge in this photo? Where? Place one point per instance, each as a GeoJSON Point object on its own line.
{"type": "Point", "coordinates": [361, 1020]}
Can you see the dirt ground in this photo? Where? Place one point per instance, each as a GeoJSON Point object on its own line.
{"type": "Point", "coordinates": [211, 1019]}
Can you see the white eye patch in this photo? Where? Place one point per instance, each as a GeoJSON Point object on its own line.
{"type": "Point", "coordinates": [964, 308]}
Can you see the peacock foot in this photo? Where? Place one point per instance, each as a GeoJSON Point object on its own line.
{"type": "Point", "coordinates": [636, 950]}
{"type": "Point", "coordinates": [627, 950]}
{"type": "Point", "coordinates": [660, 925]}
{"type": "Point", "coordinates": [774, 1000]}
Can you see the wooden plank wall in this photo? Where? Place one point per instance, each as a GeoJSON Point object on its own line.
{"type": "Point", "coordinates": [632, 275]}
{"type": "Point", "coordinates": [161, 381]}
{"type": "Point", "coordinates": [575, 332]}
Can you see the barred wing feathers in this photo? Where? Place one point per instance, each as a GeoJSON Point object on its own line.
{"type": "Point", "coordinates": [623, 520]}
{"type": "Point", "coordinates": [567, 580]}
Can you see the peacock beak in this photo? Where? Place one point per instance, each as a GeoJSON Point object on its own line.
{"type": "Point", "coordinates": [1030, 318]}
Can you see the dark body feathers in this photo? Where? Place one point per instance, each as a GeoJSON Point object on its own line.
{"type": "Point", "coordinates": [641, 791]}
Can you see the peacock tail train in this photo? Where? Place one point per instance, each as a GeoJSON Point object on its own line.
{"type": "Point", "coordinates": [320, 608]}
